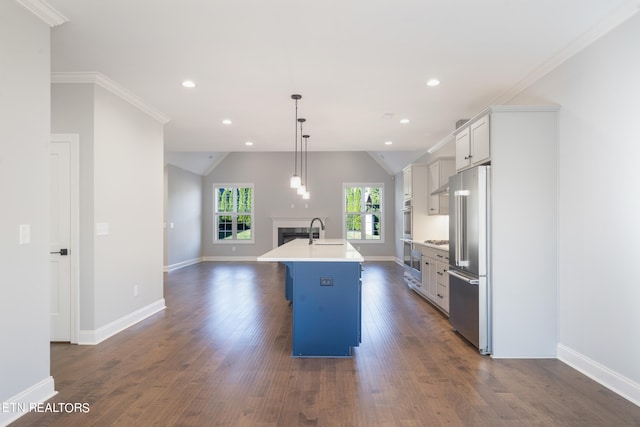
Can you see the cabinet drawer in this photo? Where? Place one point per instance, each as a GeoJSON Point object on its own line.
{"type": "Point", "coordinates": [441, 273]}
{"type": "Point", "coordinates": [437, 254]}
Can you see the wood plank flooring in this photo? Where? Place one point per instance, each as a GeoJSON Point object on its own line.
{"type": "Point", "coordinates": [220, 355]}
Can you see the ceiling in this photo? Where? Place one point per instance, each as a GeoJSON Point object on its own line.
{"type": "Point", "coordinates": [360, 65]}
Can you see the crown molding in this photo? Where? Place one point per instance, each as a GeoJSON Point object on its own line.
{"type": "Point", "coordinates": [44, 11]}
{"type": "Point", "coordinates": [108, 84]}
{"type": "Point", "coordinates": [617, 17]}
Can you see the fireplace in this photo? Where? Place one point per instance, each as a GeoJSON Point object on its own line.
{"type": "Point", "coordinates": [287, 229]}
{"type": "Point", "coordinates": [287, 234]}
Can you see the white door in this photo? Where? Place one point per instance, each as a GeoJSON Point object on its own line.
{"type": "Point", "coordinates": [60, 271]}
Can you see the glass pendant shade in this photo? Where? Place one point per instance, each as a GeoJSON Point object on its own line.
{"type": "Point", "coordinates": [295, 182]}
{"type": "Point", "coordinates": [306, 195]}
{"type": "Point", "coordinates": [302, 189]}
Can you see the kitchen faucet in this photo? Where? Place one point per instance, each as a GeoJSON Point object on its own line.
{"type": "Point", "coordinates": [311, 228]}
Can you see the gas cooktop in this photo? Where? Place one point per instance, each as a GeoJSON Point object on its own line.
{"type": "Point", "coordinates": [437, 242]}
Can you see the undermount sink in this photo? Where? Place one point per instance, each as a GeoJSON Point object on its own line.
{"type": "Point", "coordinates": [326, 242]}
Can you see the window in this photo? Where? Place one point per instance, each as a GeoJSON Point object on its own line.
{"type": "Point", "coordinates": [233, 213]}
{"type": "Point", "coordinates": [363, 212]}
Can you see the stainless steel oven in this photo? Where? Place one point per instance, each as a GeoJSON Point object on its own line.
{"type": "Point", "coordinates": [412, 265]}
{"type": "Point", "coordinates": [406, 249]}
{"type": "Point", "coordinates": [406, 220]}
{"type": "Point", "coordinates": [416, 265]}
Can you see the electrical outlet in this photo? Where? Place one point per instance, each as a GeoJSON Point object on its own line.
{"type": "Point", "coordinates": [233, 248]}
{"type": "Point", "coordinates": [135, 290]}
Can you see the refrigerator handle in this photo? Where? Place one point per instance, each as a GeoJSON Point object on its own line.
{"type": "Point", "coordinates": [460, 228]}
{"type": "Point", "coordinates": [466, 279]}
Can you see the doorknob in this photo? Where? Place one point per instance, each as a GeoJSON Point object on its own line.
{"type": "Point", "coordinates": [61, 252]}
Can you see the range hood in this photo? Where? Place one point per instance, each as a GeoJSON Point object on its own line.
{"type": "Point", "coordinates": [441, 190]}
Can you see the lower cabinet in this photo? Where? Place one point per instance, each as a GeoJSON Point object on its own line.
{"type": "Point", "coordinates": [435, 279]}
{"type": "Point", "coordinates": [442, 296]}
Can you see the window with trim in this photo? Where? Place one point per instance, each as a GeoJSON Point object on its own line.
{"type": "Point", "coordinates": [363, 210]}
{"type": "Point", "coordinates": [233, 213]}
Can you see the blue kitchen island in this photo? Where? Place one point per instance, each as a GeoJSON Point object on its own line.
{"type": "Point", "coordinates": [323, 282]}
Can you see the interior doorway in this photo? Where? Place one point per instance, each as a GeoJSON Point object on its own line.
{"type": "Point", "coordinates": [64, 238]}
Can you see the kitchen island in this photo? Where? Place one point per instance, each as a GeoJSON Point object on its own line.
{"type": "Point", "coordinates": [323, 282]}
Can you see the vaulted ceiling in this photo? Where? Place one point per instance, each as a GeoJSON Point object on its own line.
{"type": "Point", "coordinates": [360, 65]}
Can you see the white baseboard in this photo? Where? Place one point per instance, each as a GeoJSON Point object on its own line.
{"type": "Point", "coordinates": [379, 258]}
{"type": "Point", "coordinates": [176, 266]}
{"type": "Point", "coordinates": [93, 337]}
{"type": "Point", "coordinates": [229, 258]}
{"type": "Point", "coordinates": [21, 403]}
{"type": "Point", "coordinates": [617, 383]}
{"type": "Point", "coordinates": [246, 258]}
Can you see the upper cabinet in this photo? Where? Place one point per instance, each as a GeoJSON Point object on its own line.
{"type": "Point", "coordinates": [473, 143]}
{"type": "Point", "coordinates": [407, 183]}
{"type": "Point", "coordinates": [439, 173]}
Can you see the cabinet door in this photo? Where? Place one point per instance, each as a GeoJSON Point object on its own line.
{"type": "Point", "coordinates": [462, 149]}
{"type": "Point", "coordinates": [433, 280]}
{"type": "Point", "coordinates": [443, 286]}
{"type": "Point", "coordinates": [406, 183]}
{"type": "Point", "coordinates": [427, 265]}
{"type": "Point", "coordinates": [434, 183]}
{"type": "Point", "coordinates": [443, 297]}
{"type": "Point", "coordinates": [480, 144]}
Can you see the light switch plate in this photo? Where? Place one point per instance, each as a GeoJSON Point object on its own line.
{"type": "Point", "coordinates": [102, 229]}
{"type": "Point", "coordinates": [25, 234]}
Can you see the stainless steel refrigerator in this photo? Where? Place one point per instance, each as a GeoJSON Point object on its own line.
{"type": "Point", "coordinates": [469, 244]}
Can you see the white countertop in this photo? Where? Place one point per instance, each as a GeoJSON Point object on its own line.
{"type": "Point", "coordinates": [429, 245]}
{"type": "Point", "coordinates": [322, 250]}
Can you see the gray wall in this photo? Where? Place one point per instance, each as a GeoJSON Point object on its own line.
{"type": "Point", "coordinates": [121, 183]}
{"type": "Point", "coordinates": [270, 173]}
{"type": "Point", "coordinates": [184, 212]}
{"type": "Point", "coordinates": [24, 191]}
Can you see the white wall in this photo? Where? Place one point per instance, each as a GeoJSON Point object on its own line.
{"type": "Point", "coordinates": [184, 212]}
{"type": "Point", "coordinates": [121, 184]}
{"type": "Point", "coordinates": [128, 195]}
{"type": "Point", "coordinates": [270, 172]}
{"type": "Point", "coordinates": [599, 206]}
{"type": "Point", "coordinates": [24, 191]}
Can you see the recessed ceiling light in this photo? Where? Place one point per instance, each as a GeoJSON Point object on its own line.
{"type": "Point", "coordinates": [188, 83]}
{"type": "Point", "coordinates": [433, 82]}
{"type": "Point", "coordinates": [388, 142]}
{"type": "Point", "coordinates": [404, 121]}
{"type": "Point", "coordinates": [248, 143]}
{"type": "Point", "coordinates": [226, 122]}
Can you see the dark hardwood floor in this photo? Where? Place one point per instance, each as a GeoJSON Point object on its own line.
{"type": "Point", "coordinates": [220, 355]}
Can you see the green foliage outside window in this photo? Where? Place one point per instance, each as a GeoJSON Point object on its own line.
{"type": "Point", "coordinates": [234, 213]}
{"type": "Point", "coordinates": [363, 212]}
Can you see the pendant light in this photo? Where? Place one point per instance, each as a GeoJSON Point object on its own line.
{"type": "Point", "coordinates": [306, 195]}
{"type": "Point", "coordinates": [295, 181]}
{"type": "Point", "coordinates": [301, 189]}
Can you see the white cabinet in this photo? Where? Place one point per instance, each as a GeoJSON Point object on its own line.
{"type": "Point", "coordinates": [407, 183]}
{"type": "Point", "coordinates": [524, 208]}
{"type": "Point", "coordinates": [435, 279]}
{"type": "Point", "coordinates": [442, 294]}
{"type": "Point", "coordinates": [439, 173]}
{"type": "Point", "coordinates": [415, 181]}
{"type": "Point", "coordinates": [473, 145]}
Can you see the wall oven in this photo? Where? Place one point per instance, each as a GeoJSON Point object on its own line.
{"type": "Point", "coordinates": [406, 220]}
